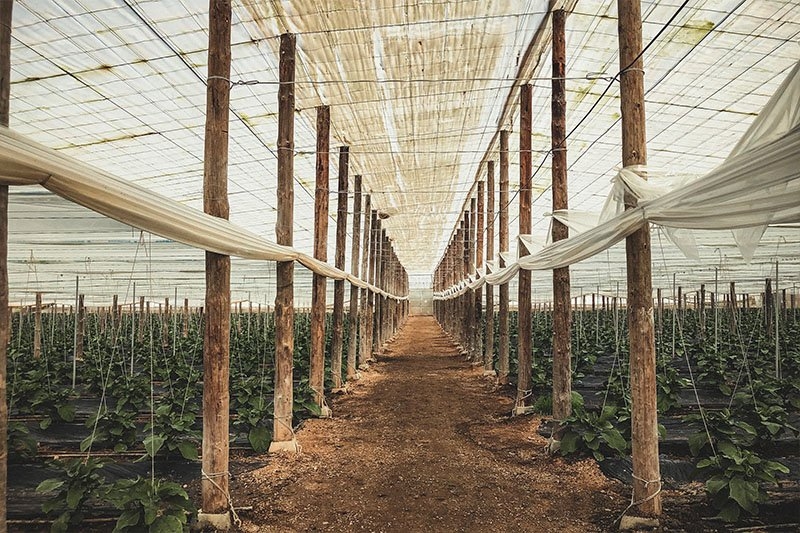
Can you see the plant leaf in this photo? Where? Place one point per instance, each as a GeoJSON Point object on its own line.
{"type": "Point", "coordinates": [745, 493]}
{"type": "Point", "coordinates": [166, 524]}
{"type": "Point", "coordinates": [259, 438]}
{"type": "Point", "coordinates": [188, 450]}
{"type": "Point", "coordinates": [49, 485]}
{"type": "Point", "coordinates": [127, 519]}
{"type": "Point", "coordinates": [153, 443]}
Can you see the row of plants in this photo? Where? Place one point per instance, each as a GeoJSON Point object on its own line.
{"type": "Point", "coordinates": [147, 393]}
{"type": "Point", "coordinates": [733, 360]}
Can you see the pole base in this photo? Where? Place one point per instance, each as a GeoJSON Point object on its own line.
{"type": "Point", "coordinates": [522, 410]}
{"type": "Point", "coordinates": [489, 373]}
{"type": "Point", "coordinates": [215, 521]}
{"type": "Point", "coordinates": [637, 523]}
{"type": "Point", "coordinates": [284, 446]}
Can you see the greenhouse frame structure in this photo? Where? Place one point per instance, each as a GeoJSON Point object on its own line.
{"type": "Point", "coordinates": [754, 187]}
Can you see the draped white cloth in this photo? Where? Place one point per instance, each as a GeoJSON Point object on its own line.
{"type": "Point", "coordinates": [25, 162]}
{"type": "Point", "coordinates": [757, 185]}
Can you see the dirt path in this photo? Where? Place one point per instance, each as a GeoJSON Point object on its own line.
{"type": "Point", "coordinates": [423, 443]}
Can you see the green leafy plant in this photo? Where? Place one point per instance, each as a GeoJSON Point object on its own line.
{"type": "Point", "coordinates": [736, 475]}
{"type": "Point", "coordinates": [591, 432]}
{"type": "Point", "coordinates": [80, 481]}
{"type": "Point", "coordinates": [173, 430]}
{"type": "Point", "coordinates": [115, 428]}
{"type": "Point", "coordinates": [153, 506]}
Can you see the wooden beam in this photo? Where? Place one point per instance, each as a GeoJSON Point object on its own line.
{"type": "Point", "coordinates": [480, 226]}
{"type": "Point", "coordinates": [524, 355]}
{"type": "Point", "coordinates": [502, 315]}
{"type": "Point", "coordinates": [562, 311]}
{"type": "Point", "coordinates": [488, 336]}
{"type": "Point", "coordinates": [37, 327]}
{"type": "Point", "coordinates": [644, 412]}
{"type": "Point", "coordinates": [364, 345]}
{"type": "Point", "coordinates": [338, 285]}
{"type": "Point", "coordinates": [319, 284]}
{"type": "Point", "coordinates": [282, 432]}
{"type": "Point", "coordinates": [352, 350]}
{"type": "Point", "coordinates": [216, 339]}
{"type": "Point", "coordinates": [6, 9]}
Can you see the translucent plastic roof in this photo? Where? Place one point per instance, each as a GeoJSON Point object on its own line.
{"type": "Point", "coordinates": [418, 91]}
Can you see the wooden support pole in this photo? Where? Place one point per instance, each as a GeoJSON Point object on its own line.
{"type": "Point", "coordinates": [732, 308]}
{"type": "Point", "coordinates": [488, 336]}
{"type": "Point", "coordinates": [185, 318]}
{"type": "Point", "coordinates": [37, 327]}
{"type": "Point", "coordinates": [352, 349]}
{"type": "Point", "coordinates": [366, 245]}
{"type": "Point", "coordinates": [644, 412]}
{"type": "Point", "coordinates": [319, 282]}
{"type": "Point", "coordinates": [282, 432]}
{"type": "Point", "coordinates": [524, 355]}
{"type": "Point", "coordinates": [480, 226]}
{"type": "Point", "coordinates": [6, 9]}
{"type": "Point", "coordinates": [562, 312]}
{"type": "Point", "coordinates": [373, 258]}
{"type": "Point", "coordinates": [502, 316]}
{"type": "Point", "coordinates": [216, 341]}
{"type": "Point", "coordinates": [468, 315]}
{"type": "Point", "coordinates": [81, 327]}
{"type": "Point", "coordinates": [338, 285]}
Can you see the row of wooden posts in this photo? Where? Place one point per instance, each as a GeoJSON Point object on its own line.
{"type": "Point", "coordinates": [378, 316]}
{"type": "Point", "coordinates": [465, 252]}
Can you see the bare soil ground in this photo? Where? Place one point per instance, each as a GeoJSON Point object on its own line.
{"type": "Point", "coordinates": [423, 442]}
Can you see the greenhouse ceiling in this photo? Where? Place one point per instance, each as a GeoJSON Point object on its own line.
{"type": "Point", "coordinates": [418, 90]}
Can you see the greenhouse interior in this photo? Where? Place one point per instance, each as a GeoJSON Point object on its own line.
{"type": "Point", "coordinates": [400, 265]}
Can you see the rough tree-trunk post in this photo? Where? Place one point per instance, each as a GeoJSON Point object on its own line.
{"type": "Point", "coordinates": [363, 349]}
{"type": "Point", "coordinates": [480, 226]}
{"type": "Point", "coordinates": [185, 332]}
{"type": "Point", "coordinates": [319, 283]}
{"type": "Point", "coordinates": [371, 296]}
{"type": "Point", "coordinates": [488, 336]}
{"type": "Point", "coordinates": [644, 413]}
{"type": "Point", "coordinates": [142, 319]}
{"type": "Point", "coordinates": [502, 314]}
{"type": "Point", "coordinates": [5, 92]}
{"type": "Point", "coordinates": [216, 341]}
{"type": "Point", "coordinates": [282, 432]}
{"type": "Point", "coordinates": [377, 313]}
{"type": "Point", "coordinates": [352, 345]}
{"type": "Point", "coordinates": [732, 307]}
{"type": "Point", "coordinates": [37, 327]}
{"type": "Point", "coordinates": [524, 284]}
{"type": "Point", "coordinates": [81, 326]}
{"type": "Point", "coordinates": [338, 285]}
{"type": "Point", "coordinates": [562, 312]}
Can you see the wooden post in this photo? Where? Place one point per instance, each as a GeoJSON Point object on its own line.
{"type": "Point", "coordinates": [5, 324]}
{"type": "Point", "coordinates": [732, 307]}
{"type": "Point", "coordinates": [503, 362]}
{"type": "Point", "coordinates": [488, 336]}
{"type": "Point", "coordinates": [81, 326]}
{"type": "Point", "coordinates": [644, 413]}
{"type": "Point", "coordinates": [319, 282]}
{"type": "Point", "coordinates": [352, 345]}
{"type": "Point", "coordinates": [480, 226]}
{"type": "Point", "coordinates": [468, 315]}
{"type": "Point", "coordinates": [216, 341]}
{"type": "Point", "coordinates": [140, 326]}
{"type": "Point", "coordinates": [373, 258]}
{"type": "Point", "coordinates": [364, 344]}
{"type": "Point", "coordinates": [769, 306]}
{"type": "Point", "coordinates": [282, 432]}
{"type": "Point", "coordinates": [562, 312]}
{"type": "Point", "coordinates": [185, 317]}
{"type": "Point", "coordinates": [164, 322]}
{"type": "Point", "coordinates": [702, 310]}
{"type": "Point", "coordinates": [524, 282]}
{"type": "Point", "coordinates": [338, 285]}
{"type": "Point", "coordinates": [37, 327]}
